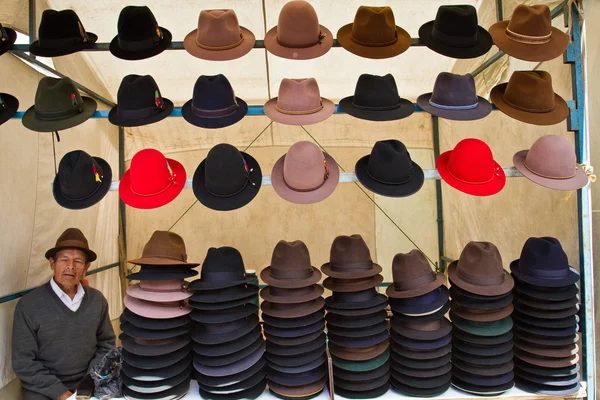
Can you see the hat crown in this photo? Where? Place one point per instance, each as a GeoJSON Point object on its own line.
{"type": "Point", "coordinates": [453, 90]}
{"type": "Point", "coordinates": [544, 253]}
{"type": "Point", "coordinates": [290, 256]}
{"type": "Point", "coordinates": [530, 91]}
{"type": "Point", "coordinates": [150, 173]}
{"type": "Point", "coordinates": [298, 25]}
{"type": "Point", "coordinates": [552, 156]}
{"type": "Point", "coordinates": [374, 25]}
{"type": "Point", "coordinates": [138, 24]}
{"type": "Point", "coordinates": [60, 28]}
{"type": "Point", "coordinates": [165, 244]}
{"type": "Point", "coordinates": [532, 21]}
{"type": "Point", "coordinates": [456, 20]}
{"type": "Point", "coordinates": [218, 28]}
{"type": "Point", "coordinates": [304, 167]}
{"type": "Point", "coordinates": [410, 266]}
{"type": "Point", "coordinates": [225, 172]}
{"type": "Point", "coordinates": [376, 91]}
{"type": "Point", "coordinates": [390, 162]}
{"type": "Point", "coordinates": [301, 95]}
{"type": "Point", "coordinates": [213, 93]}
{"type": "Point", "coordinates": [77, 175]}
{"type": "Point", "coordinates": [138, 92]}
{"type": "Point", "coordinates": [472, 162]}
{"type": "Point", "coordinates": [222, 263]}
{"type": "Point", "coordinates": [349, 250]}
{"type": "Point", "coordinates": [479, 262]}
{"type": "Point", "coordinates": [70, 236]}
{"type": "Point", "coordinates": [56, 98]}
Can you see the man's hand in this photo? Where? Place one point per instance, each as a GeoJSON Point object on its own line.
{"type": "Point", "coordinates": [65, 395]}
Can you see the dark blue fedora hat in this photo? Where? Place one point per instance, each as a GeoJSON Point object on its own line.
{"type": "Point", "coordinates": [483, 361]}
{"type": "Point", "coordinates": [487, 371]}
{"type": "Point", "coordinates": [483, 350]}
{"type": "Point", "coordinates": [547, 332]}
{"type": "Point", "coordinates": [297, 360]}
{"type": "Point", "coordinates": [221, 381]}
{"type": "Point", "coordinates": [548, 305]}
{"type": "Point", "coordinates": [553, 294]}
{"type": "Point", "coordinates": [225, 315]}
{"type": "Point", "coordinates": [422, 373]}
{"type": "Point", "coordinates": [419, 305]}
{"type": "Point", "coordinates": [543, 262]}
{"type": "Point", "coordinates": [355, 322]}
{"type": "Point", "coordinates": [483, 380]}
{"type": "Point", "coordinates": [222, 349]}
{"type": "Point", "coordinates": [300, 379]}
{"type": "Point", "coordinates": [478, 389]}
{"type": "Point", "coordinates": [565, 322]}
{"type": "Point", "coordinates": [545, 340]}
{"type": "Point", "coordinates": [219, 361]}
{"type": "Point", "coordinates": [363, 394]}
{"type": "Point", "coordinates": [317, 362]}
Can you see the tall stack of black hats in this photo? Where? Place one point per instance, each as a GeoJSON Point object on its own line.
{"type": "Point", "coordinates": [357, 327]}
{"type": "Point", "coordinates": [546, 322]}
{"type": "Point", "coordinates": [157, 361]}
{"type": "Point", "coordinates": [294, 323]}
{"type": "Point", "coordinates": [227, 338]}
{"type": "Point", "coordinates": [420, 333]}
{"type": "Point", "coordinates": [482, 345]}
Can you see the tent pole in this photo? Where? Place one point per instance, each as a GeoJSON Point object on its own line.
{"type": "Point", "coordinates": [438, 196]}
{"type": "Point", "coordinates": [122, 219]}
{"type": "Point", "coordinates": [499, 11]}
{"type": "Point", "coordinates": [32, 27]}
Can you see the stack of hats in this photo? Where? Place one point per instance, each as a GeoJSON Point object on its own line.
{"type": "Point", "coordinates": [421, 335]}
{"type": "Point", "coordinates": [227, 338]}
{"type": "Point", "coordinates": [157, 361]}
{"type": "Point", "coordinates": [482, 345]}
{"type": "Point", "coordinates": [546, 321]}
{"type": "Point", "coordinates": [294, 323]}
{"type": "Point", "coordinates": [357, 329]}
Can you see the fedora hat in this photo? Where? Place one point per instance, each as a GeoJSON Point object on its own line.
{"type": "Point", "coordinates": [547, 362]}
{"type": "Point", "coordinates": [71, 238]}
{"type": "Point", "coordinates": [482, 350]}
{"type": "Point", "coordinates": [228, 380]}
{"type": "Point", "coordinates": [473, 314]}
{"type": "Point", "coordinates": [139, 102]}
{"type": "Point", "coordinates": [240, 291]}
{"type": "Point", "coordinates": [291, 296]}
{"type": "Point", "coordinates": [294, 322]}
{"type": "Point", "coordinates": [454, 97]}
{"type": "Point", "coordinates": [292, 310]}
{"type": "Point", "coordinates": [61, 33]}
{"type": "Point", "coordinates": [529, 34]}
{"type": "Point", "coordinates": [8, 103]}
{"type": "Point", "coordinates": [490, 371]}
{"type": "Point", "coordinates": [220, 361]}
{"type": "Point", "coordinates": [234, 388]}
{"type": "Point", "coordinates": [419, 364]}
{"type": "Point", "coordinates": [418, 392]}
{"type": "Point", "coordinates": [230, 314]}
{"type": "Point", "coordinates": [227, 179]}
{"type": "Point", "coordinates": [420, 354]}
{"type": "Point", "coordinates": [354, 301]}
{"type": "Point", "coordinates": [222, 268]}
{"type": "Point", "coordinates": [164, 248]}
{"type": "Point", "coordinates": [162, 272]}
{"type": "Point", "coordinates": [537, 313]}
{"type": "Point", "coordinates": [156, 386]}
{"type": "Point", "coordinates": [550, 390]}
{"type": "Point", "coordinates": [224, 349]}
{"type": "Point", "coordinates": [528, 97]}
{"type": "Point", "coordinates": [290, 267]}
{"type": "Point", "coordinates": [359, 332]}
{"type": "Point", "coordinates": [249, 394]}
{"type": "Point", "coordinates": [479, 270]}
{"type": "Point", "coordinates": [351, 312]}
{"type": "Point", "coordinates": [224, 332]}
{"type": "Point", "coordinates": [299, 102]}
{"type": "Point", "coordinates": [422, 383]}
{"type": "Point", "coordinates": [175, 392]}
{"type": "Point", "coordinates": [413, 276]}
{"type": "Point", "coordinates": [352, 285]}
{"type": "Point", "coordinates": [298, 35]}
{"type": "Point", "coordinates": [362, 394]}
{"type": "Point", "coordinates": [152, 323]}
{"type": "Point", "coordinates": [356, 322]}
{"type": "Point", "coordinates": [81, 180]}
{"type": "Point", "coordinates": [219, 37]}
{"type": "Point", "coordinates": [376, 98]}
{"type": "Point", "coordinates": [374, 34]}
{"type": "Point", "coordinates": [480, 389]}
{"type": "Point", "coordinates": [489, 328]}
{"type": "Point", "coordinates": [357, 342]}
{"type": "Point", "coordinates": [389, 170]}
{"type": "Point", "coordinates": [300, 369]}
{"type": "Point", "coordinates": [298, 379]}
{"type": "Point", "coordinates": [58, 106]}
{"type": "Point", "coordinates": [297, 392]}
{"type": "Point", "coordinates": [421, 306]}
{"type": "Point", "coordinates": [294, 341]}
{"type": "Point", "coordinates": [158, 334]}
{"type": "Point", "coordinates": [431, 316]}
{"type": "Point", "coordinates": [470, 167]}
{"type": "Point", "coordinates": [551, 162]}
{"type": "Point", "coordinates": [547, 372]}
{"type": "Point", "coordinates": [150, 309]}
{"type": "Point", "coordinates": [545, 380]}
{"type": "Point", "coordinates": [365, 384]}
{"type": "Point", "coordinates": [160, 291]}
{"type": "Point", "coordinates": [293, 332]}
{"type": "Point", "coordinates": [551, 352]}
{"type": "Point", "coordinates": [455, 33]}
{"type": "Point", "coordinates": [213, 104]}
{"type": "Point", "coordinates": [359, 354]}
{"type": "Point", "coordinates": [545, 340]}
{"type": "Point", "coordinates": [565, 322]}
{"type": "Point", "coordinates": [556, 298]}
{"type": "Point", "coordinates": [8, 37]}
{"type": "Point", "coordinates": [139, 35]}
{"type": "Point", "coordinates": [153, 375]}
{"type": "Point", "coordinates": [311, 352]}
{"type": "Point", "coordinates": [350, 258]}
{"type": "Point", "coordinates": [433, 330]}
{"type": "Point", "coordinates": [419, 344]}
{"type": "Point", "coordinates": [152, 180]}
{"type": "Point", "coordinates": [298, 350]}
{"type": "Point", "coordinates": [479, 304]}
{"type": "Point", "coordinates": [361, 366]}
{"type": "Point", "coordinates": [223, 306]}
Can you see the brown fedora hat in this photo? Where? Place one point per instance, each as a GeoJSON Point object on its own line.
{"type": "Point", "coordinates": [292, 310]}
{"type": "Point", "coordinates": [529, 34]}
{"type": "Point", "coordinates": [72, 238]}
{"type": "Point", "coordinates": [374, 34]}
{"type": "Point", "coordinates": [291, 296]}
{"type": "Point", "coordinates": [350, 258]}
{"type": "Point", "coordinates": [305, 174]}
{"type": "Point", "coordinates": [290, 267]}
{"type": "Point", "coordinates": [479, 270]}
{"type": "Point", "coordinates": [472, 314]}
{"type": "Point", "coordinates": [298, 35]}
{"type": "Point", "coordinates": [546, 362]}
{"type": "Point", "coordinates": [413, 276]}
{"type": "Point", "coordinates": [551, 162]}
{"type": "Point", "coordinates": [550, 352]}
{"type": "Point", "coordinates": [528, 96]}
{"type": "Point", "coordinates": [164, 248]}
{"type": "Point", "coordinates": [359, 354]}
{"type": "Point", "coordinates": [352, 285]}
{"type": "Point", "coordinates": [219, 37]}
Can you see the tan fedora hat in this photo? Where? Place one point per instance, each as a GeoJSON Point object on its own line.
{"type": "Point", "coordinates": [164, 248]}
{"type": "Point", "coordinates": [350, 258]}
{"type": "Point", "coordinates": [413, 276]}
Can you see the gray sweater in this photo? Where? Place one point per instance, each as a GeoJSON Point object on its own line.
{"type": "Point", "coordinates": [53, 347]}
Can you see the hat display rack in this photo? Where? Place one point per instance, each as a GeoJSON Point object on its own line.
{"type": "Point", "coordinates": [420, 353]}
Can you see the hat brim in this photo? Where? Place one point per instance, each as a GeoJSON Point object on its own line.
{"type": "Point", "coordinates": [190, 45]}
{"type": "Point", "coordinates": [548, 315]}
{"type": "Point", "coordinates": [492, 290]}
{"type": "Point", "coordinates": [363, 394]}
{"type": "Point", "coordinates": [566, 322]}
{"type": "Point", "coordinates": [141, 333]}
{"type": "Point", "coordinates": [360, 332]}
{"type": "Point", "coordinates": [270, 109]}
{"type": "Point", "coordinates": [576, 182]}
{"type": "Point", "coordinates": [153, 375]}
{"type": "Point", "coordinates": [375, 301]}
{"type": "Point", "coordinates": [309, 355]}
{"type": "Point", "coordinates": [237, 387]}
{"type": "Point", "coordinates": [418, 392]}
{"type": "Point", "coordinates": [440, 280]}
{"type": "Point", "coordinates": [422, 373]}
{"type": "Point", "coordinates": [374, 52]}
{"type": "Point", "coordinates": [559, 113]}
{"type": "Point", "coordinates": [298, 379]}
{"type": "Point", "coordinates": [89, 201]}
{"type": "Point", "coordinates": [115, 119]}
{"type": "Point", "coordinates": [422, 383]}
{"type": "Point", "coordinates": [351, 274]}
{"type": "Point", "coordinates": [420, 344]}
{"type": "Point", "coordinates": [220, 361]}
{"type": "Point", "coordinates": [298, 53]}
{"type": "Point", "coordinates": [12, 38]}
{"type": "Point", "coordinates": [201, 285]}
{"type": "Point", "coordinates": [225, 295]}
{"type": "Point", "coordinates": [176, 392]}
{"type": "Point", "coordinates": [548, 332]}
{"type": "Point", "coordinates": [415, 183]}
{"type": "Point", "coordinates": [480, 389]}
{"type": "Point", "coordinates": [161, 276]}
{"type": "Point", "coordinates": [228, 203]}
{"type": "Point", "coordinates": [487, 371]}
{"type": "Point", "coordinates": [417, 334]}
{"type": "Point", "coordinates": [486, 189]}
{"type": "Point", "coordinates": [219, 316]}
{"type": "Point", "coordinates": [546, 362]}
{"type": "Point", "coordinates": [357, 311]}
{"type": "Point", "coordinates": [159, 200]}
{"type": "Point", "coordinates": [405, 109]}
{"type": "Point", "coordinates": [31, 121]}
{"type": "Point", "coordinates": [159, 297]}
{"type": "Point", "coordinates": [152, 323]}
{"type": "Point", "coordinates": [498, 328]}
{"type": "Point", "coordinates": [74, 245]}
{"type": "Point", "coordinates": [312, 306]}
{"type": "Point", "coordinates": [335, 285]}
{"type": "Point", "coordinates": [488, 316]}
{"type": "Point", "coordinates": [274, 349]}
{"type": "Point", "coordinates": [250, 393]}
{"type": "Point", "coordinates": [294, 341]}
{"type": "Point", "coordinates": [545, 380]}
{"type": "Point", "coordinates": [428, 317]}
{"type": "Point", "coordinates": [293, 322]}
{"type": "Point", "coordinates": [203, 336]}
{"type": "Point", "coordinates": [355, 323]}
{"type": "Point", "coordinates": [361, 366]}
{"type": "Point", "coordinates": [233, 368]}
{"type": "Point", "coordinates": [224, 349]}
{"type": "Point", "coordinates": [545, 371]}
{"type": "Point", "coordinates": [224, 305]}
{"type": "Point", "coordinates": [421, 354]}
{"type": "Point", "coordinates": [11, 105]}
{"type": "Point", "coordinates": [482, 350]}
{"type": "Point", "coordinates": [365, 384]}
{"type": "Point", "coordinates": [149, 310]}
{"type": "Point", "coordinates": [151, 362]}
{"type": "Point", "coordinates": [549, 390]}
{"type": "Point", "coordinates": [533, 300]}
{"type": "Point", "coordinates": [551, 352]}
{"type": "Point", "coordinates": [483, 45]}
{"type": "Point", "coordinates": [483, 109]}
{"type": "Point", "coordinates": [133, 347]}
{"type": "Point", "coordinates": [156, 386]}
{"type": "Point", "coordinates": [37, 50]}
{"type": "Point", "coordinates": [482, 340]}
{"type": "Point", "coordinates": [266, 294]}
{"type": "Point", "coordinates": [140, 55]}
{"type": "Point", "coordinates": [301, 391]}
{"type": "Point", "coordinates": [471, 302]}
{"type": "Point", "coordinates": [214, 123]}
{"type": "Point", "coordinates": [315, 277]}
{"type": "Point", "coordinates": [318, 326]}
{"type": "Point", "coordinates": [354, 343]}
{"type": "Point", "coordinates": [417, 308]}
{"type": "Point", "coordinates": [419, 364]}
{"type": "Point", "coordinates": [222, 381]}
{"type": "Point", "coordinates": [546, 341]}
{"type": "Point", "coordinates": [365, 354]}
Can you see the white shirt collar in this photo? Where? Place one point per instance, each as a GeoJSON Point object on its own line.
{"type": "Point", "coordinates": [63, 296]}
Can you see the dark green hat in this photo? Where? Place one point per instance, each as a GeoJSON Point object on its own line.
{"type": "Point", "coordinates": [361, 366]}
{"type": "Point", "coordinates": [494, 328]}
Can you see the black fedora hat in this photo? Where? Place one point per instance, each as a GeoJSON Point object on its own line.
{"type": "Point", "coordinates": [159, 347]}
{"type": "Point", "coordinates": [376, 99]}
{"type": "Point", "coordinates": [226, 315]}
{"type": "Point", "coordinates": [139, 102]}
{"type": "Point", "coordinates": [419, 318]}
{"type": "Point", "coordinates": [359, 376]}
{"type": "Point", "coordinates": [58, 106]}
{"type": "Point", "coordinates": [352, 342]}
{"type": "Point", "coordinates": [296, 360]}
{"type": "Point", "coordinates": [421, 354]}
{"type": "Point", "coordinates": [61, 33]}
{"type": "Point", "coordinates": [487, 371]}
{"type": "Point", "coordinates": [139, 35]}
{"type": "Point", "coordinates": [159, 374]}
{"type": "Point", "coordinates": [318, 326]}
{"type": "Point", "coordinates": [389, 170]}
{"type": "Point", "coordinates": [403, 362]}
{"type": "Point", "coordinates": [156, 386]}
{"type": "Point", "coordinates": [8, 37]}
{"type": "Point", "coordinates": [153, 323]}
{"type": "Point", "coordinates": [479, 304]}
{"type": "Point", "coordinates": [425, 331]}
{"type": "Point", "coordinates": [8, 103]}
{"type": "Point", "coordinates": [355, 300]}
{"type": "Point", "coordinates": [482, 380]}
{"type": "Point", "coordinates": [141, 333]}
{"type": "Point", "coordinates": [222, 268]}
{"type": "Point", "coordinates": [224, 332]}
{"type": "Point", "coordinates": [293, 341]}
{"type": "Point", "coordinates": [317, 362]}
{"type": "Point", "coordinates": [236, 387]}
{"type": "Point", "coordinates": [162, 273]}
{"type": "Point", "coordinates": [278, 350]}
{"type": "Point", "coordinates": [483, 350]}
{"type": "Point", "coordinates": [418, 392]}
{"type": "Point", "coordinates": [293, 322]}
{"type": "Point", "coordinates": [474, 296]}
{"type": "Point", "coordinates": [228, 380]}
{"type": "Point", "coordinates": [227, 179]}
{"type": "Point", "coordinates": [233, 368]}
{"type": "Point", "coordinates": [482, 390]}
{"type": "Point", "coordinates": [550, 390]}
{"type": "Point", "coordinates": [219, 361]}
{"type": "Point", "coordinates": [175, 392]}
{"type": "Point", "coordinates": [363, 394]}
{"type": "Point", "coordinates": [557, 372]}
{"type": "Point", "coordinates": [241, 291]}
{"type": "Point", "coordinates": [455, 33]}
{"type": "Point", "coordinates": [422, 373]}
{"type": "Point", "coordinates": [81, 180]}
{"type": "Point", "coordinates": [422, 383]}
{"type": "Point", "coordinates": [367, 384]}
{"type": "Point", "coordinates": [248, 394]}
{"type": "Point", "coordinates": [356, 322]}
{"type": "Point", "coordinates": [427, 303]}
{"type": "Point", "coordinates": [223, 349]}
{"type": "Point", "coordinates": [360, 332]}
{"type": "Point", "coordinates": [213, 103]}
{"type": "Point", "coordinates": [154, 362]}
{"type": "Point", "coordinates": [226, 305]}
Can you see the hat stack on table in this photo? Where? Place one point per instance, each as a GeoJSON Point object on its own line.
{"type": "Point", "coordinates": [227, 338]}
{"type": "Point", "coordinates": [420, 334]}
{"type": "Point", "coordinates": [294, 323]}
{"type": "Point", "coordinates": [157, 361]}
{"type": "Point", "coordinates": [546, 321]}
{"type": "Point", "coordinates": [481, 305]}
{"type": "Point", "coordinates": [357, 328]}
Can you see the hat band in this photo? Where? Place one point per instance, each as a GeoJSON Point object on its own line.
{"type": "Point", "coordinates": [354, 297]}
{"type": "Point", "coordinates": [289, 273]}
{"type": "Point", "coordinates": [139, 45]}
{"type": "Point", "coordinates": [56, 115]}
{"type": "Point", "coordinates": [224, 327]}
{"type": "Point", "coordinates": [350, 282]}
{"type": "Point", "coordinates": [376, 108]}
{"type": "Point", "coordinates": [304, 45]}
{"type": "Point", "coordinates": [220, 113]}
{"type": "Point", "coordinates": [388, 182]}
{"type": "Point", "coordinates": [453, 108]}
{"type": "Point", "coordinates": [480, 280]}
{"type": "Point", "coordinates": [98, 186]}
{"type": "Point", "coordinates": [545, 273]}
{"type": "Point", "coordinates": [356, 266]}
{"type": "Point", "coordinates": [221, 276]}
{"type": "Point", "coordinates": [299, 112]}
{"type": "Point", "coordinates": [407, 284]}
{"type": "Point", "coordinates": [517, 37]}
{"type": "Point", "coordinates": [452, 40]}
{"type": "Point", "coordinates": [166, 304]}
{"type": "Point", "coordinates": [547, 176]}
{"type": "Point", "coordinates": [228, 194]}
{"type": "Point", "coordinates": [378, 44]}
{"type": "Point", "coordinates": [171, 182]}
{"type": "Point", "coordinates": [61, 42]}
{"type": "Point", "coordinates": [139, 113]}
{"type": "Point", "coordinates": [225, 47]}
{"type": "Point", "coordinates": [527, 109]}
{"type": "Point", "coordinates": [304, 190]}
{"type": "Point", "coordinates": [183, 258]}
{"type": "Point", "coordinates": [423, 326]}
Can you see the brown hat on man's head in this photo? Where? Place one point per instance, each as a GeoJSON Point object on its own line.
{"type": "Point", "coordinates": [290, 267]}
{"type": "Point", "coordinates": [350, 258]}
{"type": "Point", "coordinates": [72, 238]}
{"type": "Point", "coordinates": [413, 276]}
{"type": "Point", "coordinates": [164, 248]}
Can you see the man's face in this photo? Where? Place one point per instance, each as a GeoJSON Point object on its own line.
{"type": "Point", "coordinates": [69, 266]}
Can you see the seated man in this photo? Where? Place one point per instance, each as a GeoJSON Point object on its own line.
{"type": "Point", "coordinates": [61, 328]}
